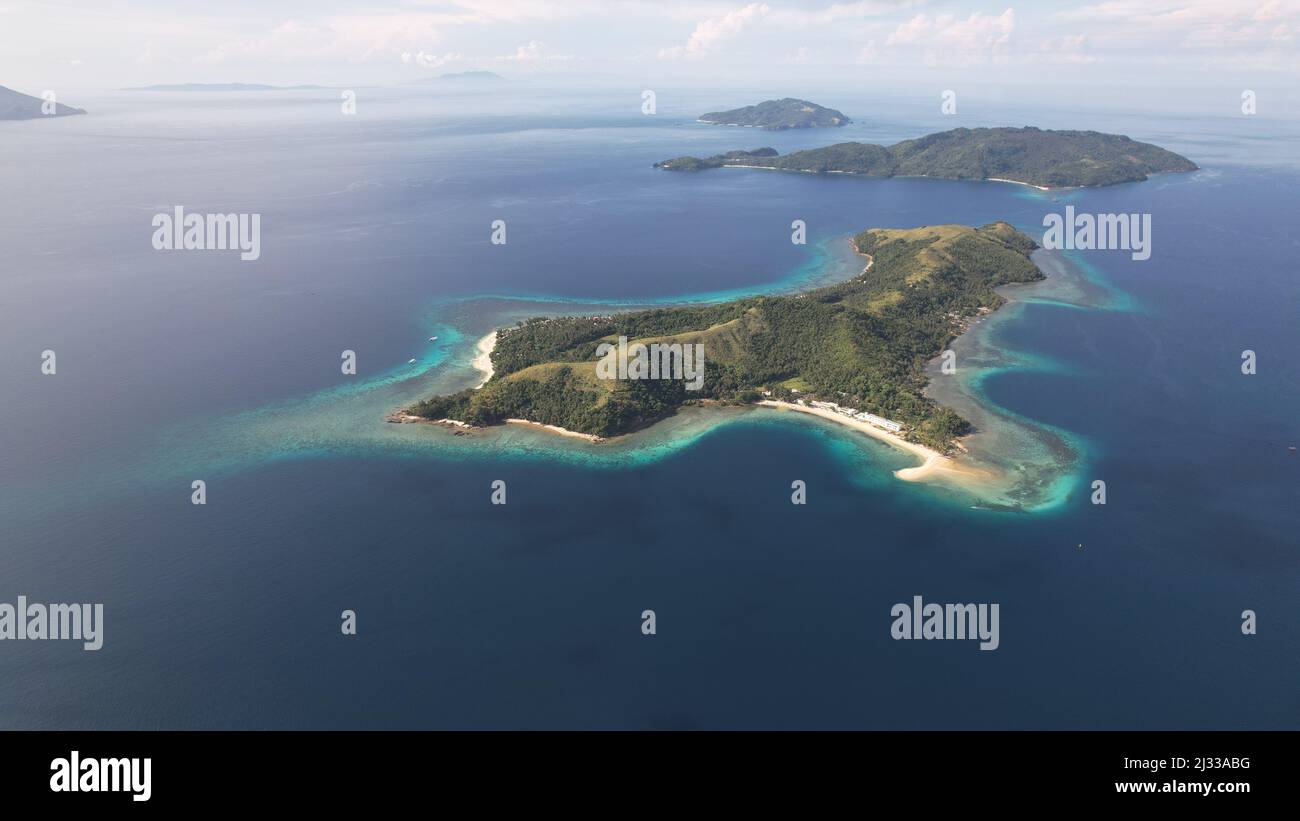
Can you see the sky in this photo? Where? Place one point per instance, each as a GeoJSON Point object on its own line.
{"type": "Point", "coordinates": [1152, 43]}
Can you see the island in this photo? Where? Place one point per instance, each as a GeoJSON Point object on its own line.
{"type": "Point", "coordinates": [1030, 156]}
{"type": "Point", "coordinates": [14, 105]}
{"type": "Point", "coordinates": [454, 76]}
{"type": "Point", "coordinates": [854, 352]}
{"type": "Point", "coordinates": [225, 87]}
{"type": "Point", "coordinates": [778, 115]}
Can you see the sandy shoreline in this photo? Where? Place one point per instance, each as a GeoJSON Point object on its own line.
{"type": "Point", "coordinates": [870, 259]}
{"type": "Point", "coordinates": [933, 463]}
{"type": "Point", "coordinates": [1018, 182]}
{"type": "Point", "coordinates": [590, 437]}
{"type": "Point", "coordinates": [483, 364]}
{"type": "Point", "coordinates": [398, 417]}
{"type": "Point", "coordinates": [483, 361]}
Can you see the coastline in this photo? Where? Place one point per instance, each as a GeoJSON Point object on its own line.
{"type": "Point", "coordinates": [933, 463]}
{"type": "Point", "coordinates": [1018, 182]}
{"type": "Point", "coordinates": [483, 361]}
{"type": "Point", "coordinates": [402, 418]}
{"type": "Point", "coordinates": [462, 428]}
{"type": "Point", "coordinates": [963, 468]}
{"type": "Point", "coordinates": [590, 437]}
{"type": "Point", "coordinates": [893, 176]}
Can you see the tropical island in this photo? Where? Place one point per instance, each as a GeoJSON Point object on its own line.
{"type": "Point", "coordinates": [1031, 156]}
{"type": "Point", "coordinates": [14, 105]}
{"type": "Point", "coordinates": [854, 352]}
{"type": "Point", "coordinates": [778, 115]}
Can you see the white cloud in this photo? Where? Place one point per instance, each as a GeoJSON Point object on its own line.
{"type": "Point", "coordinates": [301, 39]}
{"type": "Point", "coordinates": [1214, 24]}
{"type": "Point", "coordinates": [841, 12]}
{"type": "Point", "coordinates": [1204, 34]}
{"type": "Point", "coordinates": [1068, 48]}
{"type": "Point", "coordinates": [710, 33]}
{"type": "Point", "coordinates": [354, 38]}
{"type": "Point", "coordinates": [534, 51]}
{"type": "Point", "coordinates": [422, 58]}
{"type": "Point", "coordinates": [868, 55]}
{"type": "Point", "coordinates": [945, 38]}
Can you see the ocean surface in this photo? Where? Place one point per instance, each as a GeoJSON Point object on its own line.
{"type": "Point", "coordinates": [176, 366]}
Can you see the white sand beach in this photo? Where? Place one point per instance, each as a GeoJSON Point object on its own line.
{"type": "Point", "coordinates": [483, 361]}
{"type": "Point", "coordinates": [590, 437]}
{"type": "Point", "coordinates": [934, 464]}
{"type": "Point", "coordinates": [1018, 182]}
{"type": "Point", "coordinates": [870, 259]}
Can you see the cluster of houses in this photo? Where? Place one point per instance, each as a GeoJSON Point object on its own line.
{"type": "Point", "coordinates": [592, 319]}
{"type": "Point", "coordinates": [861, 416]}
{"type": "Point", "coordinates": [963, 321]}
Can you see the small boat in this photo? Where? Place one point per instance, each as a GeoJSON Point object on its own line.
{"type": "Point", "coordinates": [412, 362]}
{"type": "Point", "coordinates": [432, 338]}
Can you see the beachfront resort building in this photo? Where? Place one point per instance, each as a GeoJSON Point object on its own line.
{"type": "Point", "coordinates": [861, 416]}
{"type": "Point", "coordinates": [879, 421]}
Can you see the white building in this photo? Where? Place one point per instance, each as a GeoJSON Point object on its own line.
{"type": "Point", "coordinates": [879, 421]}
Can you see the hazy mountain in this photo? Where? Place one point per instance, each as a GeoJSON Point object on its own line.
{"type": "Point", "coordinates": [778, 115]}
{"type": "Point", "coordinates": [15, 105]}
{"type": "Point", "coordinates": [221, 87]}
{"type": "Point", "coordinates": [490, 76]}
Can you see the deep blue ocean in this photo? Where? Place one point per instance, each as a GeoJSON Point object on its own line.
{"type": "Point", "coordinates": [375, 236]}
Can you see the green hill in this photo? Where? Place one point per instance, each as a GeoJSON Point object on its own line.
{"type": "Point", "coordinates": [778, 115]}
{"type": "Point", "coordinates": [863, 343]}
{"type": "Point", "coordinates": [1050, 159]}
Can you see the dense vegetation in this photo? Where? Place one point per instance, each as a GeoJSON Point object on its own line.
{"type": "Point", "coordinates": [778, 115]}
{"type": "Point", "coordinates": [1052, 159]}
{"type": "Point", "coordinates": [863, 343]}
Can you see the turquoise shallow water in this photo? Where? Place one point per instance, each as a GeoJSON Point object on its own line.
{"type": "Point", "coordinates": [347, 419]}
{"type": "Point", "coordinates": [527, 615]}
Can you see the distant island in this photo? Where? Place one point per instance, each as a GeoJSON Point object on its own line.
{"type": "Point", "coordinates": [778, 115]}
{"type": "Point", "coordinates": [459, 75]}
{"type": "Point", "coordinates": [854, 352]}
{"type": "Point", "coordinates": [14, 105]}
{"type": "Point", "coordinates": [224, 87]}
{"type": "Point", "coordinates": [1031, 156]}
